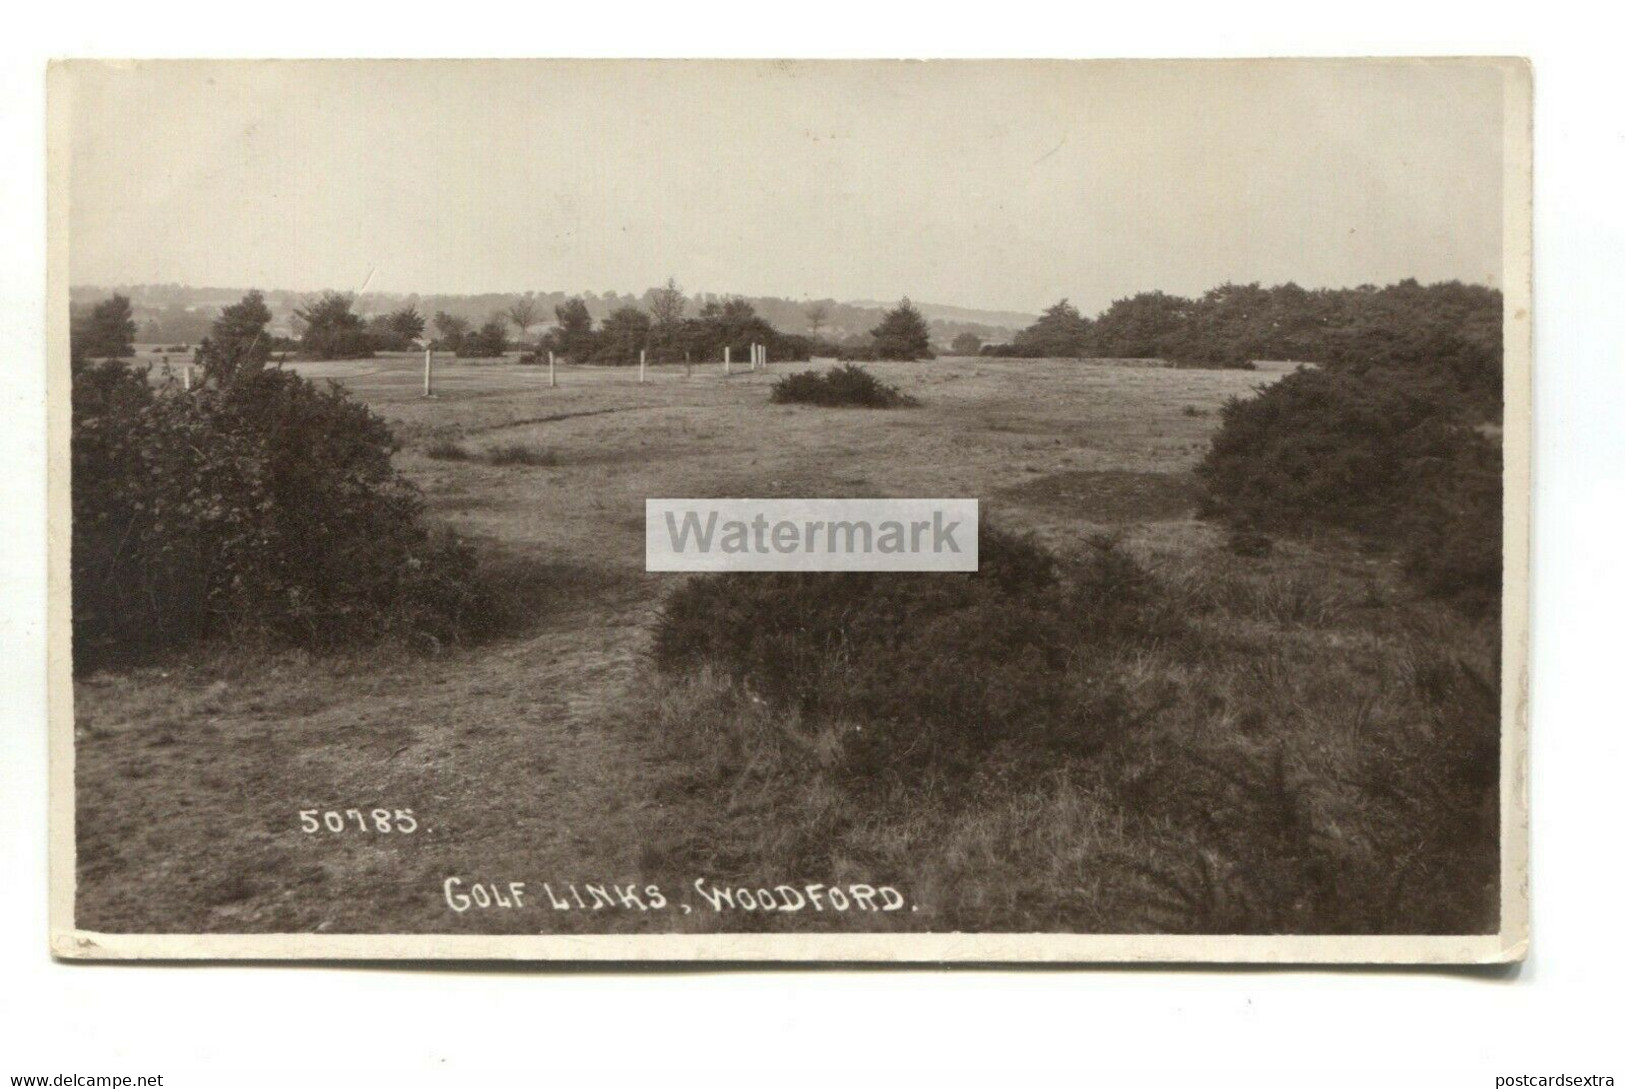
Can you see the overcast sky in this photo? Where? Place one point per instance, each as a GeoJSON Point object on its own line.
{"type": "Point", "coordinates": [987, 184]}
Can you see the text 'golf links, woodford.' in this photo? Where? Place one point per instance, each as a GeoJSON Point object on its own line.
{"type": "Point", "coordinates": [464, 895]}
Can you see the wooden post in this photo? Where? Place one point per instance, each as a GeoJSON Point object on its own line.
{"type": "Point", "coordinates": [188, 377]}
{"type": "Point", "coordinates": [764, 358]}
{"type": "Point", "coordinates": [727, 359]}
{"type": "Point", "coordinates": [688, 365]}
{"type": "Point", "coordinates": [552, 376]}
{"type": "Point", "coordinates": [643, 363]}
{"type": "Point", "coordinates": [428, 372]}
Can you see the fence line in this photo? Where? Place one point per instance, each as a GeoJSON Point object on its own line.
{"type": "Point", "coordinates": [758, 361]}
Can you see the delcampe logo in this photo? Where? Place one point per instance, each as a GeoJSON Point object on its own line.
{"type": "Point", "coordinates": [810, 534]}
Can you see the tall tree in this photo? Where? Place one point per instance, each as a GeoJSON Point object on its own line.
{"type": "Point", "coordinates": [489, 341]}
{"type": "Point", "coordinates": [624, 334]}
{"type": "Point", "coordinates": [817, 316]}
{"type": "Point", "coordinates": [406, 322]}
{"type": "Point", "coordinates": [666, 306]}
{"type": "Point", "coordinates": [574, 335]}
{"type": "Point", "coordinates": [1061, 332]}
{"type": "Point", "coordinates": [450, 330]}
{"type": "Point", "coordinates": [237, 342]}
{"type": "Point", "coordinates": [396, 330]}
{"type": "Point", "coordinates": [524, 313]}
{"type": "Point", "coordinates": [902, 334]}
{"type": "Point", "coordinates": [106, 332]}
{"type": "Point", "coordinates": [333, 330]}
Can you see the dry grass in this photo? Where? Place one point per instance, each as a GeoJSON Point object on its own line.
{"type": "Point", "coordinates": [552, 755]}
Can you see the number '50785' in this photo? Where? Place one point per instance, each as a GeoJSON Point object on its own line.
{"type": "Point", "coordinates": [312, 821]}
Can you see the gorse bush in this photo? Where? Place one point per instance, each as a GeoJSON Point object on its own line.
{"type": "Point", "coordinates": [1450, 526]}
{"type": "Point", "coordinates": [261, 507]}
{"type": "Point", "coordinates": [447, 450]}
{"type": "Point", "coordinates": [518, 453]}
{"type": "Point", "coordinates": [1323, 448]}
{"type": "Point", "coordinates": [840, 387]}
{"type": "Point", "coordinates": [1383, 451]}
{"type": "Point", "coordinates": [932, 669]}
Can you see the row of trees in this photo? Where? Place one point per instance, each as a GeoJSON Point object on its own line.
{"type": "Point", "coordinates": [667, 332]}
{"type": "Point", "coordinates": [330, 328]}
{"type": "Point", "coordinates": [664, 329]}
{"type": "Point", "coordinates": [1234, 324]}
{"type": "Point", "coordinates": [173, 314]}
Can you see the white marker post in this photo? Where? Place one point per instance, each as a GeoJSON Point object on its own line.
{"type": "Point", "coordinates": [428, 371]}
{"type": "Point", "coordinates": [188, 377]}
{"type": "Point", "coordinates": [552, 377]}
{"type": "Point", "coordinates": [643, 364]}
{"type": "Point", "coordinates": [764, 359]}
{"type": "Point", "coordinates": [727, 360]}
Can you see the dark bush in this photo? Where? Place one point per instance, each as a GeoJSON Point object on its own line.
{"type": "Point", "coordinates": [487, 342]}
{"type": "Point", "coordinates": [332, 329]}
{"type": "Point", "coordinates": [264, 507]}
{"type": "Point", "coordinates": [846, 386]}
{"type": "Point", "coordinates": [1321, 447]}
{"type": "Point", "coordinates": [1451, 527]}
{"type": "Point", "coordinates": [517, 453]}
{"type": "Point", "coordinates": [932, 669]}
{"type": "Point", "coordinates": [1209, 364]}
{"type": "Point", "coordinates": [447, 450]}
{"type": "Point", "coordinates": [104, 331]}
{"type": "Point", "coordinates": [902, 334]}
{"type": "Point", "coordinates": [1250, 543]}
{"type": "Point", "coordinates": [1388, 452]}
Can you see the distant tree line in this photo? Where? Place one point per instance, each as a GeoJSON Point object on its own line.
{"type": "Point", "coordinates": [1234, 324]}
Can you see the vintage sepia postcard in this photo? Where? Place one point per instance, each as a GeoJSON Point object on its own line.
{"type": "Point", "coordinates": [835, 511]}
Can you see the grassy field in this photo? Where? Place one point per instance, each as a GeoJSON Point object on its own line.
{"type": "Point", "coordinates": [555, 756]}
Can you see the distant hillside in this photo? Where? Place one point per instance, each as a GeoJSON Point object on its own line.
{"type": "Point", "coordinates": [997, 319]}
{"type": "Point", "coordinates": [180, 313]}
